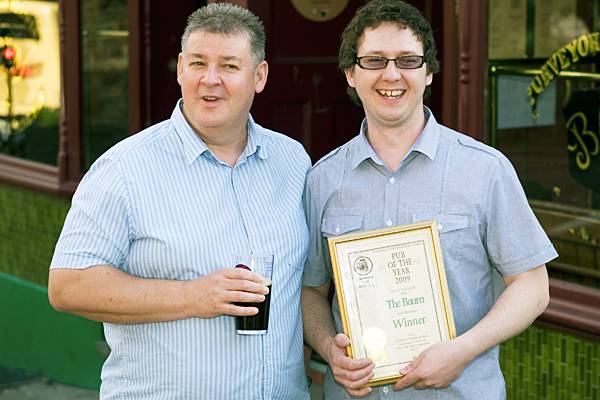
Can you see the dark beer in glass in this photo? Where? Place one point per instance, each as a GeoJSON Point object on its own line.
{"type": "Point", "coordinates": [259, 323]}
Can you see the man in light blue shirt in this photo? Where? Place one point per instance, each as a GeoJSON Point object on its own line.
{"type": "Point", "coordinates": [150, 241]}
{"type": "Point", "coordinates": [403, 168]}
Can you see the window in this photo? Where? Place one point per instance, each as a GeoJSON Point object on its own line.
{"type": "Point", "coordinates": [556, 152]}
{"type": "Point", "coordinates": [544, 114]}
{"type": "Point", "coordinates": [64, 87]}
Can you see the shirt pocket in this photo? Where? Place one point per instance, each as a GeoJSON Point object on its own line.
{"type": "Point", "coordinates": [453, 231]}
{"type": "Point", "coordinates": [340, 224]}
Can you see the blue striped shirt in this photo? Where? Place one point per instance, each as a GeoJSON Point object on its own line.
{"type": "Point", "coordinates": [161, 205]}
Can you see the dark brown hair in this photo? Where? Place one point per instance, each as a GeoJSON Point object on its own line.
{"type": "Point", "coordinates": [377, 12]}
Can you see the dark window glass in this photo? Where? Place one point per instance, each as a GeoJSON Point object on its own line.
{"type": "Point", "coordinates": [104, 42]}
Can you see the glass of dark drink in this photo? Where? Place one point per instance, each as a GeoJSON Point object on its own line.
{"type": "Point", "coordinates": [256, 324]}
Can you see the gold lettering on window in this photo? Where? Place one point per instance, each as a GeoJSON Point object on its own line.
{"type": "Point", "coordinates": [577, 126]}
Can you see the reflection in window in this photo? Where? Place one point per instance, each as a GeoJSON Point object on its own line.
{"type": "Point", "coordinates": [559, 166]}
{"type": "Point", "coordinates": [104, 42]}
{"type": "Point", "coordinates": [557, 161]}
{"type": "Point", "coordinates": [29, 80]}
{"type": "Point", "coordinates": [557, 154]}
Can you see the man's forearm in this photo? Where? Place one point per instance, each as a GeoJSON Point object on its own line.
{"type": "Point", "coordinates": [524, 299]}
{"type": "Point", "coordinates": [104, 293]}
{"type": "Point", "coordinates": [319, 329]}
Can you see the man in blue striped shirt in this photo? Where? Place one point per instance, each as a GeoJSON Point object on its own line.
{"type": "Point", "coordinates": [149, 243]}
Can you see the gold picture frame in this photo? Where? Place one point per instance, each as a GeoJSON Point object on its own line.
{"type": "Point", "coordinates": [393, 295]}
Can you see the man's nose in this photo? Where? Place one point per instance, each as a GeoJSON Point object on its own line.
{"type": "Point", "coordinates": [211, 76]}
{"type": "Point", "coordinates": [391, 72]}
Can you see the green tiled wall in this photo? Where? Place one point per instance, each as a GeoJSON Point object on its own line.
{"type": "Point", "coordinates": [546, 364]}
{"type": "Point", "coordinates": [30, 223]}
{"type": "Point", "coordinates": [33, 336]}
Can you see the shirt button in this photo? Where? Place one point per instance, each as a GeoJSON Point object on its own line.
{"type": "Point", "coordinates": [388, 222]}
{"type": "Point", "coordinates": [337, 229]}
{"type": "Point", "coordinates": [440, 227]}
{"type": "Point", "coordinates": [386, 390]}
{"type": "Point", "coordinates": [392, 180]}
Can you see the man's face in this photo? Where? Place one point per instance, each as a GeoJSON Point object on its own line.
{"type": "Point", "coordinates": [218, 79]}
{"type": "Point", "coordinates": [391, 97]}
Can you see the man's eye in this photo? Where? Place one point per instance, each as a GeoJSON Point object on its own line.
{"type": "Point", "coordinates": [409, 59]}
{"type": "Point", "coordinates": [196, 63]}
{"type": "Point", "coordinates": [375, 60]}
{"type": "Point", "coordinates": [231, 67]}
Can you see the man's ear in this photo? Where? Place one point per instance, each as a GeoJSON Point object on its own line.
{"type": "Point", "coordinates": [260, 77]}
{"type": "Point", "coordinates": [349, 76]}
{"type": "Point", "coordinates": [179, 67]}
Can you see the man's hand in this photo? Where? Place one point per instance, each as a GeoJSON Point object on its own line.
{"type": "Point", "coordinates": [214, 294]}
{"type": "Point", "coordinates": [320, 334]}
{"type": "Point", "coordinates": [436, 367]}
{"type": "Point", "coordinates": [348, 372]}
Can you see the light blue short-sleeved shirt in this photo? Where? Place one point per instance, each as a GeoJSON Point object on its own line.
{"type": "Point", "coordinates": [160, 205]}
{"type": "Point", "coordinates": [484, 220]}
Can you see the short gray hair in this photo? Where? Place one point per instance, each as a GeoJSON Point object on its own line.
{"type": "Point", "coordinates": [227, 19]}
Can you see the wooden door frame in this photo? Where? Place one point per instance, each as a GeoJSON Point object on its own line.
{"type": "Point", "coordinates": [140, 88]}
{"type": "Point", "coordinates": [464, 66]}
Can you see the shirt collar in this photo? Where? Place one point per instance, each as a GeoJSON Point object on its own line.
{"type": "Point", "coordinates": [362, 150]}
{"type": "Point", "coordinates": [426, 143]}
{"type": "Point", "coordinates": [257, 141]}
{"type": "Point", "coordinates": [194, 146]}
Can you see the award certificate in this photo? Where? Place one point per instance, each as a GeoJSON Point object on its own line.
{"type": "Point", "coordinates": [393, 295]}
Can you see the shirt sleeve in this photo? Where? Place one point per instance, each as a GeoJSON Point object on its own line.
{"type": "Point", "coordinates": [317, 270]}
{"type": "Point", "coordinates": [515, 240]}
{"type": "Point", "coordinates": [97, 227]}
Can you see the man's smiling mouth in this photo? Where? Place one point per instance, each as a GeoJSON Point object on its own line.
{"type": "Point", "coordinates": [391, 94]}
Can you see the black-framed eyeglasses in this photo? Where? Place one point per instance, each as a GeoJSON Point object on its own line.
{"type": "Point", "coordinates": [378, 62]}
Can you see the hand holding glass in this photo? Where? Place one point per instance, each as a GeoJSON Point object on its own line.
{"type": "Point", "coordinates": [256, 324]}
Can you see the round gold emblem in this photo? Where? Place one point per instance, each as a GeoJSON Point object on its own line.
{"type": "Point", "coordinates": [320, 10]}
